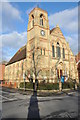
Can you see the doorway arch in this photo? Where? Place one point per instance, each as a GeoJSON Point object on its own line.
{"type": "Point", "coordinates": [61, 67]}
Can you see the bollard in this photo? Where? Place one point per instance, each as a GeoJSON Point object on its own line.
{"type": "Point", "coordinates": [15, 85]}
{"type": "Point", "coordinates": [5, 83]}
{"type": "Point", "coordinates": [10, 84]}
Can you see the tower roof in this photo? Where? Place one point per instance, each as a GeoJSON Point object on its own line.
{"type": "Point", "coordinates": [38, 9]}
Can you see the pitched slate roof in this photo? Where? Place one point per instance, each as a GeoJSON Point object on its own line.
{"type": "Point", "coordinates": [20, 55]}
{"type": "Point", "coordinates": [52, 30]}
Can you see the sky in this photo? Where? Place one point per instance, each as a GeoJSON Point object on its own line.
{"type": "Point", "coordinates": [13, 30]}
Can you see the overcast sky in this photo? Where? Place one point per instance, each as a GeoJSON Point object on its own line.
{"type": "Point", "coordinates": [13, 30]}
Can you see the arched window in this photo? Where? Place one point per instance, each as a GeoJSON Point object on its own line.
{"type": "Point", "coordinates": [41, 19]}
{"type": "Point", "coordinates": [33, 56]}
{"type": "Point", "coordinates": [41, 51]}
{"type": "Point", "coordinates": [32, 20]}
{"type": "Point", "coordinates": [63, 53]}
{"type": "Point", "coordinates": [58, 50]}
{"type": "Point", "coordinates": [53, 51]}
{"type": "Point", "coordinates": [44, 51]}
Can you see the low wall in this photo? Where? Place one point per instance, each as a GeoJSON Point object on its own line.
{"type": "Point", "coordinates": [9, 84]}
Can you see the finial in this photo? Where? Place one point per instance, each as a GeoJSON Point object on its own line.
{"type": "Point", "coordinates": [57, 25]}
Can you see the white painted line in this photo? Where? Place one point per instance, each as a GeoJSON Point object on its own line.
{"type": "Point", "coordinates": [8, 98]}
{"type": "Point", "coordinates": [72, 92]}
{"type": "Point", "coordinates": [5, 97]}
{"type": "Point", "coordinates": [54, 97]}
{"type": "Point", "coordinates": [4, 92]}
{"type": "Point", "coordinates": [8, 93]}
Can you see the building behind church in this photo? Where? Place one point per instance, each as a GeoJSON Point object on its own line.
{"type": "Point", "coordinates": [47, 54]}
{"type": "Point", "coordinates": [78, 64]}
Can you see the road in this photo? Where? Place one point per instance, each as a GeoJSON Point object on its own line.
{"type": "Point", "coordinates": [18, 105]}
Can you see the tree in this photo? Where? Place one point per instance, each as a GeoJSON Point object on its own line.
{"type": "Point", "coordinates": [33, 72]}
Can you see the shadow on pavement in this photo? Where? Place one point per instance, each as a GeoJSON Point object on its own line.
{"type": "Point", "coordinates": [33, 110]}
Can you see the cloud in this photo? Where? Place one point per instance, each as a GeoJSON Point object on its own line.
{"type": "Point", "coordinates": [10, 11]}
{"type": "Point", "coordinates": [68, 22]}
{"type": "Point", "coordinates": [29, 10]}
{"type": "Point", "coordinates": [14, 40]}
{"type": "Point", "coordinates": [73, 43]}
{"type": "Point", "coordinates": [67, 19]}
{"type": "Point", "coordinates": [11, 42]}
{"type": "Point", "coordinates": [9, 15]}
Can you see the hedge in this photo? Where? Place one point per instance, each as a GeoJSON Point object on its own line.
{"type": "Point", "coordinates": [67, 85]}
{"type": "Point", "coordinates": [41, 86]}
{"type": "Point", "coordinates": [28, 85]}
{"type": "Point", "coordinates": [48, 86]}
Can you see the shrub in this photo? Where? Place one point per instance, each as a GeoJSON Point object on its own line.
{"type": "Point", "coordinates": [28, 85]}
{"type": "Point", "coordinates": [48, 86]}
{"type": "Point", "coordinates": [41, 86]}
{"type": "Point", "coordinates": [67, 85]}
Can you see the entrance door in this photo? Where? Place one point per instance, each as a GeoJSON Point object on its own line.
{"type": "Point", "coordinates": [60, 73]}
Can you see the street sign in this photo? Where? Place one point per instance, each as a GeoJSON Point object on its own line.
{"type": "Point", "coordinates": [62, 79]}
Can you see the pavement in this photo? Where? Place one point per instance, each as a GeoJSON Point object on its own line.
{"type": "Point", "coordinates": [26, 104]}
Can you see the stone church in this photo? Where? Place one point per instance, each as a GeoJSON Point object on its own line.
{"type": "Point", "coordinates": [46, 56]}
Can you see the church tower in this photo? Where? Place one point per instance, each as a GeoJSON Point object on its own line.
{"type": "Point", "coordinates": [46, 57]}
{"type": "Point", "coordinates": [38, 38]}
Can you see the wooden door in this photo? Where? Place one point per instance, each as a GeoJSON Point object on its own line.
{"type": "Point", "coordinates": [60, 73]}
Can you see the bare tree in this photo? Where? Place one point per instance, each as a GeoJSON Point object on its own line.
{"type": "Point", "coordinates": [33, 73]}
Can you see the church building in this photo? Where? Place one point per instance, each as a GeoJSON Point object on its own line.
{"type": "Point", "coordinates": [46, 56]}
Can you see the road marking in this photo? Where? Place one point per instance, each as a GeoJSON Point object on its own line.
{"type": "Point", "coordinates": [7, 99]}
{"type": "Point", "coordinates": [8, 93]}
{"type": "Point", "coordinates": [54, 97]}
{"type": "Point", "coordinates": [72, 92]}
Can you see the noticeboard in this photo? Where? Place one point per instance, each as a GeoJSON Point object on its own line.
{"type": "Point", "coordinates": [62, 79]}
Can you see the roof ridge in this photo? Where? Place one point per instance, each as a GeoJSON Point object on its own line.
{"type": "Point", "coordinates": [14, 58]}
{"type": "Point", "coordinates": [52, 29]}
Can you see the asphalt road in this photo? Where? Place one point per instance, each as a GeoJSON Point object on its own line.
{"type": "Point", "coordinates": [18, 105]}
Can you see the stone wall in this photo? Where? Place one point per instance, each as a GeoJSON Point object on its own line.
{"type": "Point", "coordinates": [14, 72]}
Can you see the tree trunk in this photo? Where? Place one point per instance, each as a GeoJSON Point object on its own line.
{"type": "Point", "coordinates": [34, 86]}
